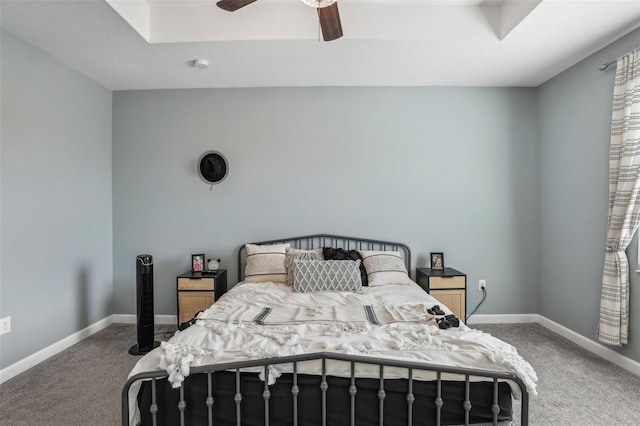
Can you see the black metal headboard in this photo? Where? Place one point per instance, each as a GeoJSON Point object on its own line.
{"type": "Point", "coordinates": [327, 240]}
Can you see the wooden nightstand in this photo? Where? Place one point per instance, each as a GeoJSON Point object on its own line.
{"type": "Point", "coordinates": [197, 291]}
{"type": "Point", "coordinates": [448, 286]}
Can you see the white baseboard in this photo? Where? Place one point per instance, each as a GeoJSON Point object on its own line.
{"type": "Point", "coordinates": [53, 349]}
{"type": "Point", "coordinates": [132, 319]}
{"type": "Point", "coordinates": [580, 340]}
{"type": "Point", "coordinates": [503, 319]}
{"type": "Point", "coordinates": [592, 346]}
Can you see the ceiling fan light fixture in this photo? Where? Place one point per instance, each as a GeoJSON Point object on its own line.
{"type": "Point", "coordinates": [318, 4]}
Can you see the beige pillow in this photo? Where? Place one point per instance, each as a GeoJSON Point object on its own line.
{"type": "Point", "coordinates": [265, 263]}
{"type": "Point", "coordinates": [385, 267]}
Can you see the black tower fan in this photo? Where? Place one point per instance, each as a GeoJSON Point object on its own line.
{"type": "Point", "coordinates": [144, 287]}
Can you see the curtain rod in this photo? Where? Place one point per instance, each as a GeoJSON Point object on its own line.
{"type": "Point", "coordinates": [607, 65]}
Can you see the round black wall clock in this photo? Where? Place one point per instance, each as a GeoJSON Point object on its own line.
{"type": "Point", "coordinates": [213, 167]}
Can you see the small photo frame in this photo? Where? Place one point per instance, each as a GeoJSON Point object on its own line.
{"type": "Point", "coordinates": [197, 262]}
{"type": "Point", "coordinates": [437, 261]}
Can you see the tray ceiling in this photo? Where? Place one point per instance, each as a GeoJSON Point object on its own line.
{"type": "Point", "coordinates": [150, 44]}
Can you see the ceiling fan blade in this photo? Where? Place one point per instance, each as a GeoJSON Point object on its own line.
{"type": "Point", "coordinates": [233, 5]}
{"type": "Point", "coordinates": [330, 22]}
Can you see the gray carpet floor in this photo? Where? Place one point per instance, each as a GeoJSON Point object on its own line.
{"type": "Point", "coordinates": [82, 385]}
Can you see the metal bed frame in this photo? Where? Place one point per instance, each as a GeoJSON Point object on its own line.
{"type": "Point", "coordinates": [308, 242]}
{"type": "Point", "coordinates": [324, 356]}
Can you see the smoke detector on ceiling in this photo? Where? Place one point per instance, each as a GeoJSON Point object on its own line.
{"type": "Point", "coordinates": [200, 63]}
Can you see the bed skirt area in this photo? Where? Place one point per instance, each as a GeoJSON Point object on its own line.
{"type": "Point", "coordinates": [280, 409]}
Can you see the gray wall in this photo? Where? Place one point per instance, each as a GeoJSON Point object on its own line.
{"type": "Point", "coordinates": [57, 261]}
{"type": "Point", "coordinates": [441, 169]}
{"type": "Point", "coordinates": [509, 183]}
{"type": "Point", "coordinates": [575, 120]}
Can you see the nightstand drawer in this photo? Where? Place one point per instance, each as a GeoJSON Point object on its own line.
{"type": "Point", "coordinates": [446, 282]}
{"type": "Point", "coordinates": [195, 284]}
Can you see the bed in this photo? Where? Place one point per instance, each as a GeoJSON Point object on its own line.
{"type": "Point", "coordinates": [300, 341]}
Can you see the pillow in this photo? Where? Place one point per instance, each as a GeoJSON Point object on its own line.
{"type": "Point", "coordinates": [330, 253]}
{"type": "Point", "coordinates": [291, 253]}
{"type": "Point", "coordinates": [265, 263]}
{"type": "Point", "coordinates": [385, 267]}
{"type": "Point", "coordinates": [326, 275]}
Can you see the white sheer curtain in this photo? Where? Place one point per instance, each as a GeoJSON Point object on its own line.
{"type": "Point", "coordinates": [624, 200]}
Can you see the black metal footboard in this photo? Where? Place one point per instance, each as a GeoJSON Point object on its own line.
{"type": "Point", "coordinates": [349, 399]}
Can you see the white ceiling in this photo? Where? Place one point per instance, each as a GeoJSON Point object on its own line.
{"type": "Point", "coordinates": [149, 44]}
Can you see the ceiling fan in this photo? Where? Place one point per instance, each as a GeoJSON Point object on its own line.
{"type": "Point", "coordinates": [327, 13]}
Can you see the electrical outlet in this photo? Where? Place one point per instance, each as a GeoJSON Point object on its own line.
{"type": "Point", "coordinates": [5, 325]}
{"type": "Point", "coordinates": [482, 284]}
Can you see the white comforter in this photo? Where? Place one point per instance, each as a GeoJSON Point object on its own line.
{"type": "Point", "coordinates": [330, 322]}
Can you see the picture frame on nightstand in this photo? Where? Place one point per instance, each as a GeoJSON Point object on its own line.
{"type": "Point", "coordinates": [197, 262]}
{"type": "Point", "coordinates": [437, 261]}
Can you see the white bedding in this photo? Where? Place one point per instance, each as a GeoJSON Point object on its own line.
{"type": "Point", "coordinates": [330, 322]}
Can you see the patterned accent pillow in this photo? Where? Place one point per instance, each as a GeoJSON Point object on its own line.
{"type": "Point", "coordinates": [265, 263]}
{"type": "Point", "coordinates": [385, 267]}
{"type": "Point", "coordinates": [291, 254]}
{"type": "Point", "coordinates": [330, 253]}
{"type": "Point", "coordinates": [326, 275]}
